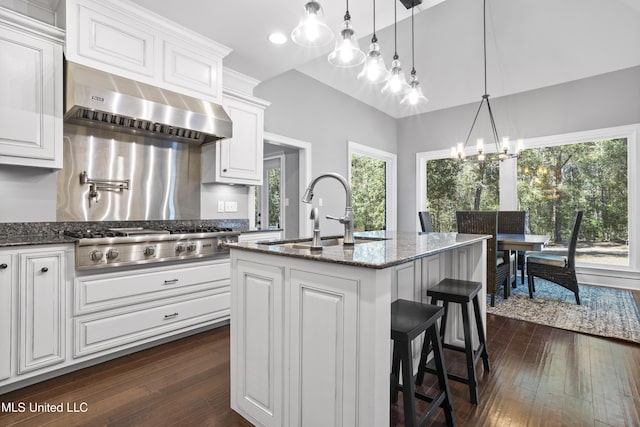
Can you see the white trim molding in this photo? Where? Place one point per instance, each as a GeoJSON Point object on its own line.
{"type": "Point", "coordinates": [305, 227]}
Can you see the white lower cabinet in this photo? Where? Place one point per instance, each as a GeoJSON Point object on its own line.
{"type": "Point", "coordinates": [122, 309]}
{"type": "Point", "coordinates": [258, 360]}
{"type": "Point", "coordinates": [6, 282]}
{"type": "Point", "coordinates": [41, 319]}
{"type": "Point", "coordinates": [323, 349]}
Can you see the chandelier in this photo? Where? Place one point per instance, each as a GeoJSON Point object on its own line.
{"type": "Point", "coordinates": [503, 150]}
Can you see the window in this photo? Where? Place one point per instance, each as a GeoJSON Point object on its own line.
{"type": "Point", "coordinates": [593, 171]}
{"type": "Point", "coordinates": [269, 196]}
{"type": "Point", "coordinates": [453, 186]}
{"type": "Point", "coordinates": [372, 174]}
{"type": "Point", "coordinates": [553, 182]}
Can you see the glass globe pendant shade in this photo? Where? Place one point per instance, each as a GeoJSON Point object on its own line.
{"type": "Point", "coordinates": [346, 53]}
{"type": "Point", "coordinates": [396, 83]}
{"type": "Point", "coordinates": [374, 70]}
{"type": "Point", "coordinates": [312, 31]}
{"type": "Point", "coordinates": [414, 95]}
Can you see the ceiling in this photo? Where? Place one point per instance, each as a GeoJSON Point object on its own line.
{"type": "Point", "coordinates": [530, 44]}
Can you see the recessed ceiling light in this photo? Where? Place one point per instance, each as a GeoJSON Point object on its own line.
{"type": "Point", "coordinates": [277, 38]}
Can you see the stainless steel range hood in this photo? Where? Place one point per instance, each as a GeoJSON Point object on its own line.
{"type": "Point", "coordinates": [108, 101]}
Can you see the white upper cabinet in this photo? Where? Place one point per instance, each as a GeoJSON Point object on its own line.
{"type": "Point", "coordinates": [31, 88]}
{"type": "Point", "coordinates": [122, 38]}
{"type": "Point", "coordinates": [238, 160]}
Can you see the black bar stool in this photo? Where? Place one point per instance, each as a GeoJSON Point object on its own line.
{"type": "Point", "coordinates": [408, 320]}
{"type": "Point", "coordinates": [461, 292]}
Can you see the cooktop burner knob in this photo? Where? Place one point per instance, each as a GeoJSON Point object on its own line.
{"type": "Point", "coordinates": [112, 254]}
{"type": "Point", "coordinates": [192, 247]}
{"type": "Point", "coordinates": [149, 250]}
{"type": "Point", "coordinates": [95, 255]}
{"type": "Point", "coordinates": [180, 248]}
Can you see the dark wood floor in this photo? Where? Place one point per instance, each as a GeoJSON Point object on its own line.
{"type": "Point", "coordinates": [540, 376]}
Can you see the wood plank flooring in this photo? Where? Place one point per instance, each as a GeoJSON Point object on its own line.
{"type": "Point", "coordinates": [540, 376]}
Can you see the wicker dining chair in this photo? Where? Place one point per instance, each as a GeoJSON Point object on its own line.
{"type": "Point", "coordinates": [557, 269]}
{"type": "Point", "coordinates": [514, 222]}
{"type": "Point", "coordinates": [486, 222]}
{"type": "Point", "coordinates": [425, 221]}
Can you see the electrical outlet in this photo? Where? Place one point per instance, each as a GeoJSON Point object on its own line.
{"type": "Point", "coordinates": [221, 206]}
{"type": "Point", "coordinates": [320, 203]}
{"type": "Point", "coordinates": [231, 206]}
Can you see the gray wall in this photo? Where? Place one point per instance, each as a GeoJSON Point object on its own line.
{"type": "Point", "coordinates": [603, 101]}
{"type": "Point", "coordinates": [27, 194]}
{"type": "Point", "coordinates": [307, 110]}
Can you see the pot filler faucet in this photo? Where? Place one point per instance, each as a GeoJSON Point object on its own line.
{"type": "Point", "coordinates": [347, 219]}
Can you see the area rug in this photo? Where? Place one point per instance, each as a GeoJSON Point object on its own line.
{"type": "Point", "coordinates": [604, 312]}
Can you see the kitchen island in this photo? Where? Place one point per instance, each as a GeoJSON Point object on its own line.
{"type": "Point", "coordinates": [310, 330]}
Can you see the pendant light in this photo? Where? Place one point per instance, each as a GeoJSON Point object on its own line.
{"type": "Point", "coordinates": [396, 83]}
{"type": "Point", "coordinates": [374, 70]}
{"type": "Point", "coordinates": [312, 31]}
{"type": "Point", "coordinates": [414, 95]}
{"type": "Point", "coordinates": [347, 53]}
{"type": "Point", "coordinates": [458, 151]}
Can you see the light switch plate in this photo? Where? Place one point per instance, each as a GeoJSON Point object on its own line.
{"type": "Point", "coordinates": [231, 206]}
{"type": "Point", "coordinates": [221, 206]}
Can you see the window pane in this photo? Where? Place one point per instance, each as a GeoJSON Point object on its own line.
{"type": "Point", "coordinates": [369, 188]}
{"type": "Point", "coordinates": [454, 186]}
{"type": "Point", "coordinates": [273, 176]}
{"type": "Point", "coordinates": [554, 182]}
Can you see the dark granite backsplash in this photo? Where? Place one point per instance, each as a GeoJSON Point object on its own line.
{"type": "Point", "coordinates": [57, 228]}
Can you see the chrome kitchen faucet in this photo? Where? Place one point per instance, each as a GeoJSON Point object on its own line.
{"type": "Point", "coordinates": [347, 219]}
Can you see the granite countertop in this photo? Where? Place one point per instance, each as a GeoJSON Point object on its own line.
{"type": "Point", "coordinates": [51, 233]}
{"type": "Point", "coordinates": [390, 248]}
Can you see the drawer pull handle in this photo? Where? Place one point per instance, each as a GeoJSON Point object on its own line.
{"type": "Point", "coordinates": [170, 282]}
{"type": "Point", "coordinates": [44, 269]}
{"type": "Point", "coordinates": [170, 316]}
{"type": "Point", "coordinates": [3, 266]}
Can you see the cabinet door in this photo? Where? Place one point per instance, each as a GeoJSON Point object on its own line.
{"type": "Point", "coordinates": [41, 321]}
{"type": "Point", "coordinates": [192, 70]}
{"type": "Point", "coordinates": [240, 158]}
{"type": "Point", "coordinates": [257, 360]}
{"type": "Point", "coordinates": [31, 101]}
{"type": "Point", "coordinates": [324, 336]}
{"type": "Point", "coordinates": [6, 280]}
{"type": "Point", "coordinates": [106, 37]}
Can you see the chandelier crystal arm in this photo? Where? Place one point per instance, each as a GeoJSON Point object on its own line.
{"type": "Point", "coordinates": [474, 121]}
{"type": "Point", "coordinates": [493, 125]}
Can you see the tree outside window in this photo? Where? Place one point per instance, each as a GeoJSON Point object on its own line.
{"type": "Point", "coordinates": [368, 184]}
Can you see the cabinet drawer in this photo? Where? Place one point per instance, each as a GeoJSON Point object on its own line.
{"type": "Point", "coordinates": [106, 291]}
{"type": "Point", "coordinates": [97, 333]}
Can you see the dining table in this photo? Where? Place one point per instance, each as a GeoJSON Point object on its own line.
{"type": "Point", "coordinates": [519, 242]}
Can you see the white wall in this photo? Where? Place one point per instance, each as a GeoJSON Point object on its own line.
{"type": "Point", "coordinates": [307, 110]}
{"type": "Point", "coordinates": [607, 100]}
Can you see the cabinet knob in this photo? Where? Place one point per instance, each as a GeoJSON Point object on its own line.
{"type": "Point", "coordinates": [3, 266]}
{"type": "Point", "coordinates": [44, 269]}
{"type": "Point", "coordinates": [224, 170]}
